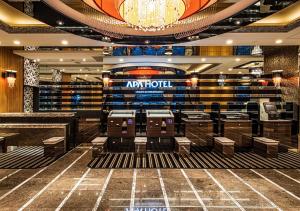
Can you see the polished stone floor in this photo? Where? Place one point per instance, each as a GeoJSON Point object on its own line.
{"type": "Point", "coordinates": [68, 184]}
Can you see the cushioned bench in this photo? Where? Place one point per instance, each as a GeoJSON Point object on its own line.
{"type": "Point", "coordinates": [266, 147]}
{"type": "Point", "coordinates": [140, 145]}
{"type": "Point", "coordinates": [225, 146]}
{"type": "Point", "coordinates": [54, 147]}
{"type": "Point", "coordinates": [182, 145]}
{"type": "Point", "coordinates": [99, 146]}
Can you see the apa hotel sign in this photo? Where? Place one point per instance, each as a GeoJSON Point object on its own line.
{"type": "Point", "coordinates": [149, 84]}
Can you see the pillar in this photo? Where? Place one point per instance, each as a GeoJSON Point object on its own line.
{"type": "Point", "coordinates": [31, 83]}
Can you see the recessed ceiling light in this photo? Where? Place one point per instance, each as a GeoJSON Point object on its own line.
{"type": "Point", "coordinates": [64, 42]}
{"type": "Point", "coordinates": [86, 75]}
{"type": "Point", "coordinates": [278, 41]}
{"type": "Point", "coordinates": [229, 69]}
{"type": "Point", "coordinates": [237, 59]}
{"type": "Point", "coordinates": [203, 59]}
{"type": "Point", "coordinates": [121, 60]}
{"type": "Point", "coordinates": [84, 59]}
{"type": "Point", "coordinates": [98, 70]}
{"type": "Point", "coordinates": [240, 72]}
{"type": "Point", "coordinates": [80, 70]}
{"type": "Point", "coordinates": [60, 22]}
{"type": "Point", "coordinates": [38, 60]}
{"type": "Point", "coordinates": [61, 59]}
{"type": "Point", "coordinates": [229, 42]}
{"type": "Point", "coordinates": [17, 42]}
{"type": "Point", "coordinates": [221, 72]}
{"type": "Point", "coordinates": [169, 59]}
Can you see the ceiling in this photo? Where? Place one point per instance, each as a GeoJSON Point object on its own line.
{"type": "Point", "coordinates": [222, 17]}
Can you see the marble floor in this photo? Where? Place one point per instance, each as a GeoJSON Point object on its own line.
{"type": "Point", "coordinates": [68, 184]}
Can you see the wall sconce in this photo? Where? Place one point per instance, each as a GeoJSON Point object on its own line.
{"type": "Point", "coordinates": [105, 78]}
{"type": "Point", "coordinates": [277, 77]}
{"type": "Point", "coordinates": [194, 80]}
{"type": "Point", "coordinates": [10, 76]}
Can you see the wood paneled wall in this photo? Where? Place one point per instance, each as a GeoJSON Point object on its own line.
{"type": "Point", "coordinates": [216, 51]}
{"type": "Point", "coordinates": [11, 99]}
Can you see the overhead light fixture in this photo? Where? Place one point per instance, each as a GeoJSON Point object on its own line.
{"type": "Point", "coordinates": [151, 15]}
{"type": "Point", "coordinates": [38, 60]}
{"type": "Point", "coordinates": [229, 69]}
{"type": "Point", "coordinates": [277, 77]}
{"type": "Point", "coordinates": [61, 59]}
{"type": "Point", "coordinates": [279, 41]}
{"type": "Point", "coordinates": [229, 42]}
{"type": "Point", "coordinates": [64, 42]}
{"type": "Point", "coordinates": [60, 22]}
{"type": "Point", "coordinates": [257, 51]}
{"type": "Point", "coordinates": [84, 59]}
{"type": "Point", "coordinates": [203, 59]}
{"type": "Point", "coordinates": [169, 59]}
{"type": "Point", "coordinates": [237, 59]}
{"type": "Point", "coordinates": [17, 42]}
{"type": "Point", "coordinates": [239, 72]}
{"type": "Point", "coordinates": [169, 51]}
{"type": "Point", "coordinates": [10, 76]}
{"type": "Point", "coordinates": [121, 60]}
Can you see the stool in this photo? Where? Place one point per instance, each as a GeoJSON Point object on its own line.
{"type": "Point", "coordinates": [99, 146]}
{"type": "Point", "coordinates": [182, 146]}
{"type": "Point", "coordinates": [225, 146]}
{"type": "Point", "coordinates": [140, 145]}
{"type": "Point", "coordinates": [266, 147]}
{"type": "Point", "coordinates": [54, 147]}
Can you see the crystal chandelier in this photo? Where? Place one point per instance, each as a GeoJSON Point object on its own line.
{"type": "Point", "coordinates": [151, 15]}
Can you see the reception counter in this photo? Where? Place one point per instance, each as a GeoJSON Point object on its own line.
{"type": "Point", "coordinates": [67, 120]}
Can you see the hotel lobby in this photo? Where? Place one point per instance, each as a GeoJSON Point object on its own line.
{"type": "Point", "coordinates": [149, 105]}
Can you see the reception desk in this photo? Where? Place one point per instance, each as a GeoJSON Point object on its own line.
{"type": "Point", "coordinates": [69, 119]}
{"type": "Point", "coordinates": [280, 130]}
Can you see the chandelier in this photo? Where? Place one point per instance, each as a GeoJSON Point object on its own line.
{"type": "Point", "coordinates": [151, 15]}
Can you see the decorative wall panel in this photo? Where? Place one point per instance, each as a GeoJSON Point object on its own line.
{"type": "Point", "coordinates": [28, 99]}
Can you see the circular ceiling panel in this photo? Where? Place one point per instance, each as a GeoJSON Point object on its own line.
{"type": "Point", "coordinates": [112, 7]}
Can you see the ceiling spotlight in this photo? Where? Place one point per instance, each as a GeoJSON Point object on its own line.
{"type": "Point", "coordinates": [60, 22]}
{"type": "Point", "coordinates": [237, 22]}
{"type": "Point", "coordinates": [237, 59]}
{"type": "Point", "coordinates": [17, 42]}
{"type": "Point", "coordinates": [121, 60]}
{"type": "Point", "coordinates": [169, 59]}
{"type": "Point", "coordinates": [229, 69]}
{"type": "Point", "coordinates": [80, 70]}
{"type": "Point", "coordinates": [64, 42]}
{"type": "Point", "coordinates": [278, 41]}
{"type": "Point", "coordinates": [147, 42]}
{"type": "Point", "coordinates": [98, 70]}
{"type": "Point", "coordinates": [240, 72]}
{"type": "Point", "coordinates": [38, 60]}
{"type": "Point", "coordinates": [61, 59]}
{"type": "Point", "coordinates": [221, 72]}
{"type": "Point", "coordinates": [203, 59]}
{"type": "Point", "coordinates": [229, 42]}
{"type": "Point", "coordinates": [84, 59]}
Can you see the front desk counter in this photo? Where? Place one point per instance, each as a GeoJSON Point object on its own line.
{"type": "Point", "coordinates": [198, 127]}
{"type": "Point", "coordinates": [280, 130]}
{"type": "Point", "coordinates": [68, 120]}
{"type": "Point", "coordinates": [237, 126]}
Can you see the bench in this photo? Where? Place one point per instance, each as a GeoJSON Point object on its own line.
{"type": "Point", "coordinates": [4, 138]}
{"type": "Point", "coordinates": [99, 146]}
{"type": "Point", "coordinates": [225, 146]}
{"type": "Point", "coordinates": [140, 145]}
{"type": "Point", "coordinates": [266, 147]}
{"type": "Point", "coordinates": [182, 146]}
{"type": "Point", "coordinates": [54, 147]}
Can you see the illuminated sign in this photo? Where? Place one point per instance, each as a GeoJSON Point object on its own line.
{"type": "Point", "coordinates": [149, 84]}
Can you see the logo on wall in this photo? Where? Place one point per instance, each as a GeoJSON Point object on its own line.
{"type": "Point", "coordinates": [149, 84]}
